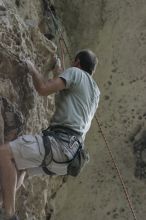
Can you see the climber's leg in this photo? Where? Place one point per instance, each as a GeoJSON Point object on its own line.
{"type": "Point", "coordinates": [25, 153]}
{"type": "Point", "coordinates": [8, 177]}
{"type": "Point", "coordinates": [20, 179]}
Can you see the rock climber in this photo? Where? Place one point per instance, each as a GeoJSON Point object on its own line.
{"type": "Point", "coordinates": [56, 150]}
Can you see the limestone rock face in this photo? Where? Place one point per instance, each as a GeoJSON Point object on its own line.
{"type": "Point", "coordinates": [19, 40]}
{"type": "Point", "coordinates": [25, 32]}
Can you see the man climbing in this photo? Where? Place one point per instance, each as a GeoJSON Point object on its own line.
{"type": "Point", "coordinates": [59, 149]}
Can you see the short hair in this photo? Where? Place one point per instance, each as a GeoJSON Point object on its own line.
{"type": "Point", "coordinates": [88, 60]}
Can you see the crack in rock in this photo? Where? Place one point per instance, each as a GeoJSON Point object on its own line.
{"type": "Point", "coordinates": [11, 119]}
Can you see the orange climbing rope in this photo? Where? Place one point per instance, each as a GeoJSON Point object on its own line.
{"type": "Point", "coordinates": [106, 143]}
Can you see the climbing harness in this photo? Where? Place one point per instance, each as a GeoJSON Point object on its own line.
{"type": "Point", "coordinates": [71, 138]}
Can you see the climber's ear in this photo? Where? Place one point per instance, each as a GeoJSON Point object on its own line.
{"type": "Point", "coordinates": [76, 63]}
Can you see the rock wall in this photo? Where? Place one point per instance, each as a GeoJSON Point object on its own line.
{"type": "Point", "coordinates": [116, 31]}
{"type": "Point", "coordinates": [27, 32]}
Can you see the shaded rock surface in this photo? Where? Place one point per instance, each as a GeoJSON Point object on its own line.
{"type": "Point", "coordinates": [11, 121]}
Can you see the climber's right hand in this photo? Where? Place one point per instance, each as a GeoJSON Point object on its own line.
{"type": "Point", "coordinates": [57, 68]}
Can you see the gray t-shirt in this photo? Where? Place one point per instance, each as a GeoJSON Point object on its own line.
{"type": "Point", "coordinates": [77, 103]}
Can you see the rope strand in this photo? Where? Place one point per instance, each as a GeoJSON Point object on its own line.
{"type": "Point", "coordinates": [118, 171]}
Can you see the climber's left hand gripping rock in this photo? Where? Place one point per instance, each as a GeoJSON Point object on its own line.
{"type": "Point", "coordinates": [30, 66]}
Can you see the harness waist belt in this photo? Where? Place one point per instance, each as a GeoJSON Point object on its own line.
{"type": "Point", "coordinates": [67, 130]}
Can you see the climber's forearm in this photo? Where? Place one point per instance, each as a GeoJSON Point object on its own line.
{"type": "Point", "coordinates": [45, 87]}
{"type": "Point", "coordinates": [38, 81]}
